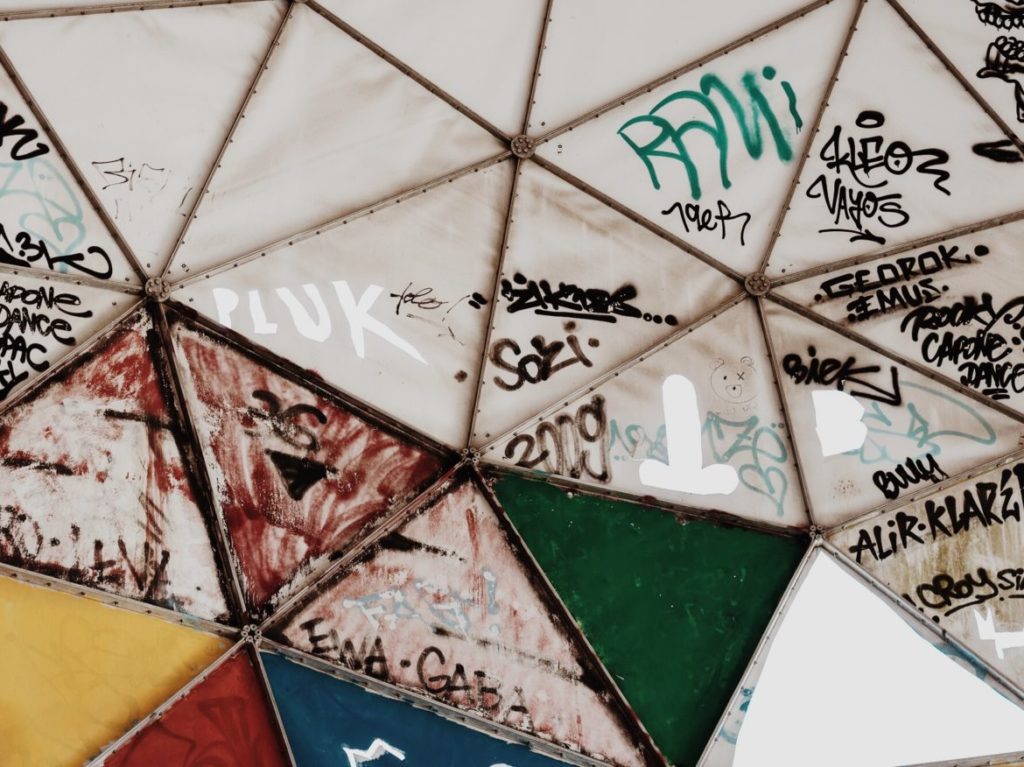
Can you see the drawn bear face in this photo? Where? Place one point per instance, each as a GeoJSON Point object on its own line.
{"type": "Point", "coordinates": [734, 382]}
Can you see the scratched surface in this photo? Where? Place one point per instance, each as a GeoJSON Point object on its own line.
{"type": "Point", "coordinates": [324, 717]}
{"type": "Point", "coordinates": [956, 556]}
{"type": "Point", "coordinates": [338, 150]}
{"type": "Point", "coordinates": [954, 305]}
{"type": "Point", "coordinates": [40, 323]}
{"type": "Point", "coordinates": [224, 721]}
{"type": "Point", "coordinates": [918, 431]}
{"type": "Point", "coordinates": [295, 476]}
{"type": "Point", "coordinates": [46, 223]}
{"type": "Point", "coordinates": [184, 70]}
{"type": "Point", "coordinates": [390, 307]}
{"type": "Point", "coordinates": [95, 488]}
{"type": "Point", "coordinates": [444, 606]}
{"type": "Point", "coordinates": [720, 141]}
{"type": "Point", "coordinates": [604, 437]}
{"type": "Point", "coordinates": [87, 675]}
{"type": "Point", "coordinates": [893, 163]}
{"type": "Point", "coordinates": [696, 597]}
{"type": "Point", "coordinates": [583, 289]}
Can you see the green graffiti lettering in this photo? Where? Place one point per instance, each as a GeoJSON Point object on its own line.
{"type": "Point", "coordinates": [748, 119]}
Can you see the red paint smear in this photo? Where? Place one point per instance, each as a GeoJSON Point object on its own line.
{"type": "Point", "coordinates": [224, 721]}
{"type": "Point", "coordinates": [118, 374]}
{"type": "Point", "coordinates": [273, 534]}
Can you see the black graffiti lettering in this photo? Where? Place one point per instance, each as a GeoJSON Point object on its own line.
{"type": "Point", "coordinates": [562, 444]}
{"type": "Point", "coordinates": [570, 300]}
{"type": "Point", "coordinates": [703, 219]}
{"type": "Point", "coordinates": [541, 364]}
{"type": "Point", "coordinates": [437, 683]}
{"type": "Point", "coordinates": [984, 503]}
{"type": "Point", "coordinates": [10, 127]}
{"type": "Point", "coordinates": [912, 471]}
{"type": "Point", "coordinates": [30, 250]}
{"type": "Point", "coordinates": [828, 371]}
{"type": "Point", "coordinates": [944, 590]}
{"type": "Point", "coordinates": [857, 167]}
{"type": "Point", "coordinates": [865, 155]}
{"type": "Point", "coordinates": [1003, 150]}
{"type": "Point", "coordinates": [418, 299]}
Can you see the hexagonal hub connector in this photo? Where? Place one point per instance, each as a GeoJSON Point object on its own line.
{"type": "Point", "coordinates": [523, 147]}
{"type": "Point", "coordinates": [757, 284]}
{"type": "Point", "coordinates": [158, 288]}
{"type": "Point", "coordinates": [251, 633]}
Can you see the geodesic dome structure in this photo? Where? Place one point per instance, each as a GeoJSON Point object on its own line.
{"type": "Point", "coordinates": [478, 383]}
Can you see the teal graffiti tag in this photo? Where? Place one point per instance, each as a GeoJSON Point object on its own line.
{"type": "Point", "coordinates": [748, 120]}
{"type": "Point", "coordinates": [896, 433]}
{"type": "Point", "coordinates": [754, 450]}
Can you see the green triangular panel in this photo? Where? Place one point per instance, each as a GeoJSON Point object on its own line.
{"type": "Point", "coordinates": [674, 609]}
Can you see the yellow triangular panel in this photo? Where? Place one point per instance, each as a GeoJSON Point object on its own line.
{"type": "Point", "coordinates": [78, 674]}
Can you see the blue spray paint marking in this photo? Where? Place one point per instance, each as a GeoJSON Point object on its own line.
{"type": "Point", "coordinates": [895, 433]}
{"type": "Point", "coordinates": [53, 211]}
{"type": "Point", "coordinates": [323, 715]}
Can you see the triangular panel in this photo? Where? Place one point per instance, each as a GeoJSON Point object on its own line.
{"type": "Point", "coordinates": [186, 70]}
{"type": "Point", "coordinates": [404, 313]}
{"type": "Point", "coordinates": [953, 305]}
{"type": "Point", "coordinates": [575, 81]}
{"type": "Point", "coordinates": [916, 431]}
{"type": "Point", "coordinates": [296, 475]}
{"type": "Point", "coordinates": [324, 717]}
{"type": "Point", "coordinates": [450, 605]}
{"type": "Point", "coordinates": [709, 156]}
{"type": "Point", "coordinates": [335, 151]}
{"type": "Point", "coordinates": [224, 720]}
{"type": "Point", "coordinates": [609, 437]}
{"type": "Point", "coordinates": [42, 322]}
{"type": "Point", "coordinates": [893, 164]}
{"type": "Point", "coordinates": [480, 53]}
{"type": "Point", "coordinates": [46, 221]}
{"type": "Point", "coordinates": [95, 488]}
{"type": "Point", "coordinates": [88, 673]}
{"type": "Point", "coordinates": [695, 595]}
{"type": "Point", "coordinates": [583, 289]}
{"type": "Point", "coordinates": [792, 713]}
{"type": "Point", "coordinates": [955, 556]}
{"type": "Point", "coordinates": [985, 42]}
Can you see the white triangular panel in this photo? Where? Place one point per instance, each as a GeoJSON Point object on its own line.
{"type": "Point", "coordinates": [583, 289]}
{"type": "Point", "coordinates": [46, 222]}
{"type": "Point", "coordinates": [955, 556]}
{"type": "Point", "coordinates": [955, 306]}
{"type": "Point", "coordinates": [794, 713]}
{"type": "Point", "coordinates": [480, 53]}
{"type": "Point", "coordinates": [574, 80]}
{"type": "Point", "coordinates": [185, 70]}
{"type": "Point", "coordinates": [709, 156]}
{"type": "Point", "coordinates": [893, 160]}
{"type": "Point", "coordinates": [421, 270]}
{"type": "Point", "coordinates": [41, 322]}
{"type": "Point", "coordinates": [332, 128]}
{"type": "Point", "coordinates": [915, 431]}
{"type": "Point", "coordinates": [976, 37]}
{"type": "Point", "coordinates": [605, 437]}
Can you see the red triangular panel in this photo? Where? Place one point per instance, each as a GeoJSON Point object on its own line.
{"type": "Point", "coordinates": [296, 475]}
{"type": "Point", "coordinates": [450, 605]}
{"type": "Point", "coordinates": [95, 489]}
{"type": "Point", "coordinates": [224, 722]}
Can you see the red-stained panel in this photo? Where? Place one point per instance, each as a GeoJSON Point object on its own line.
{"type": "Point", "coordinates": [295, 475]}
{"type": "Point", "coordinates": [224, 722]}
{"type": "Point", "coordinates": [449, 605]}
{"type": "Point", "coordinates": [95, 489]}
